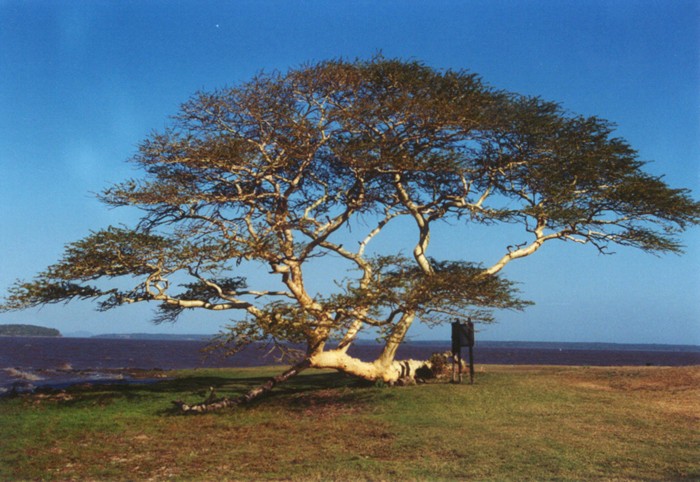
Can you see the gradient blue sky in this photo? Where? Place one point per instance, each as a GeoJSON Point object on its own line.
{"type": "Point", "coordinates": [83, 82]}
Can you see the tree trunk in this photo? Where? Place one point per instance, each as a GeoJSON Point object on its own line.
{"type": "Point", "coordinates": [380, 369]}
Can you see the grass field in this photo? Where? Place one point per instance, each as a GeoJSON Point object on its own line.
{"type": "Point", "coordinates": [514, 423]}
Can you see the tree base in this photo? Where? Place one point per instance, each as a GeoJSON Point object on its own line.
{"type": "Point", "coordinates": [398, 373]}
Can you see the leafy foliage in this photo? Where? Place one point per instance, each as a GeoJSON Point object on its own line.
{"type": "Point", "coordinates": [292, 167]}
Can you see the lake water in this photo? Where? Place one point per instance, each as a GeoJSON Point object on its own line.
{"type": "Point", "coordinates": [29, 362]}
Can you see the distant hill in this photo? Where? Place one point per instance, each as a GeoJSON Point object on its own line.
{"type": "Point", "coordinates": [27, 330]}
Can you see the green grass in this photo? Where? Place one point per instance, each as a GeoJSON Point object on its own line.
{"type": "Point", "coordinates": [515, 423]}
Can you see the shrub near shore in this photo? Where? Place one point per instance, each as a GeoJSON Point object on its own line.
{"type": "Point", "coordinates": [523, 422]}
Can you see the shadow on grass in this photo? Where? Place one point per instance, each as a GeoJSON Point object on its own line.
{"type": "Point", "coordinates": [299, 393]}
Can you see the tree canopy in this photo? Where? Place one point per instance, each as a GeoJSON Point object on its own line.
{"type": "Point", "coordinates": [289, 168]}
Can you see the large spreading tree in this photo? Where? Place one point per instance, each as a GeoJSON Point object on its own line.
{"type": "Point", "coordinates": [290, 171]}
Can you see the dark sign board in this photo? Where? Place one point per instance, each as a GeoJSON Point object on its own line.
{"type": "Point", "coordinates": [462, 335]}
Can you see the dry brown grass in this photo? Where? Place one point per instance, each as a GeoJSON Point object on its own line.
{"type": "Point", "coordinates": [674, 390]}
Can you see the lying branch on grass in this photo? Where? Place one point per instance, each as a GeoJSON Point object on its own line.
{"type": "Point", "coordinates": [212, 403]}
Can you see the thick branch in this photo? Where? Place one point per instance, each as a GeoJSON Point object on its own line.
{"type": "Point", "coordinates": [419, 251]}
{"type": "Point", "coordinates": [540, 239]}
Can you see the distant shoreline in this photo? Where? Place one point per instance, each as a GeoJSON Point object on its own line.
{"type": "Point", "coordinates": [542, 345]}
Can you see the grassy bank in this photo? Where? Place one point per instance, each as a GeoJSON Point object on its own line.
{"type": "Point", "coordinates": [514, 423]}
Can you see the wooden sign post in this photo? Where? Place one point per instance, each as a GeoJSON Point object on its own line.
{"type": "Point", "coordinates": [462, 335]}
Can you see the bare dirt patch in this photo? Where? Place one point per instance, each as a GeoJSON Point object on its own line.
{"type": "Point", "coordinates": [670, 389]}
{"type": "Point", "coordinates": [666, 379]}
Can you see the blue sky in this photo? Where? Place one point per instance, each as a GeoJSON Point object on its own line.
{"type": "Point", "coordinates": [83, 82]}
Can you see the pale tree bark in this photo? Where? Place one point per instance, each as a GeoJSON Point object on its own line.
{"type": "Point", "coordinates": [381, 369]}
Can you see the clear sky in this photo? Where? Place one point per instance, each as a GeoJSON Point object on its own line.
{"type": "Point", "coordinates": [83, 82]}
